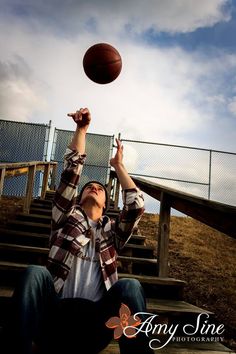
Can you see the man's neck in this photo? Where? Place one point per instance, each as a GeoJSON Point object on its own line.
{"type": "Point", "coordinates": [94, 213]}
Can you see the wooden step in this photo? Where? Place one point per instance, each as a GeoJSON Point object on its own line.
{"type": "Point", "coordinates": [154, 287]}
{"type": "Point", "coordinates": [23, 248]}
{"type": "Point", "coordinates": [156, 306]}
{"type": "Point", "coordinates": [38, 255]}
{"type": "Point", "coordinates": [45, 219]}
{"type": "Point", "coordinates": [41, 240]}
{"type": "Point", "coordinates": [179, 348]}
{"type": "Point", "coordinates": [9, 272]}
{"type": "Point", "coordinates": [133, 250]}
{"type": "Point", "coordinates": [50, 196]}
{"type": "Point", "coordinates": [137, 239]}
{"type": "Point", "coordinates": [41, 205]}
{"type": "Point", "coordinates": [112, 214]}
{"type": "Point", "coordinates": [42, 201]}
{"type": "Point", "coordinates": [166, 311]}
{"type": "Point", "coordinates": [137, 265]}
{"type": "Point", "coordinates": [24, 238]}
{"type": "Point", "coordinates": [173, 307]}
{"type": "Point", "coordinates": [138, 260]}
{"type": "Point", "coordinates": [154, 280]}
{"type": "Point", "coordinates": [158, 287]}
{"type": "Point", "coordinates": [12, 265]}
{"type": "Point", "coordinates": [29, 226]}
{"type": "Point", "coordinates": [40, 211]}
{"type": "Point", "coordinates": [22, 253]}
{"type": "Point", "coordinates": [45, 250]}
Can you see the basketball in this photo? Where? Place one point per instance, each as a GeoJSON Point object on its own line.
{"type": "Point", "coordinates": [102, 63]}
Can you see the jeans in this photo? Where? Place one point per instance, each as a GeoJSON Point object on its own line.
{"type": "Point", "coordinates": [61, 325]}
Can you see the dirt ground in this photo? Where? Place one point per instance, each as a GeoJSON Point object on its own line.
{"type": "Point", "coordinates": [9, 206]}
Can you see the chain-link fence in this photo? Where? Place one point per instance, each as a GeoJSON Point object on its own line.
{"type": "Point", "coordinates": [201, 172]}
{"type": "Point", "coordinates": [98, 150]}
{"type": "Point", "coordinates": [22, 142]}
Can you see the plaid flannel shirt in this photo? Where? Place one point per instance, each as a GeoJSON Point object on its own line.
{"type": "Point", "coordinates": [71, 231]}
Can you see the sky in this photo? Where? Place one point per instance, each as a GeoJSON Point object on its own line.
{"type": "Point", "coordinates": [178, 79]}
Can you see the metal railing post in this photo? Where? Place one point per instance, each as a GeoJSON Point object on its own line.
{"type": "Point", "coordinates": [209, 180]}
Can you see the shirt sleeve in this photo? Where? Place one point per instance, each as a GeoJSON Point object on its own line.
{"type": "Point", "coordinates": [133, 209]}
{"type": "Point", "coordinates": [66, 193]}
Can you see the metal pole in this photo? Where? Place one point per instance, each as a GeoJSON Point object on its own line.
{"type": "Point", "coordinates": [209, 181]}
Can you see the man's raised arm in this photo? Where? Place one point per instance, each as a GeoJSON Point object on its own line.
{"type": "Point", "coordinates": [132, 199]}
{"type": "Point", "coordinates": [66, 193]}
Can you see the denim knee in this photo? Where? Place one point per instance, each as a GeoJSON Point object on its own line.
{"type": "Point", "coordinates": [34, 277]}
{"type": "Point", "coordinates": [37, 273]}
{"type": "Point", "coordinates": [130, 286]}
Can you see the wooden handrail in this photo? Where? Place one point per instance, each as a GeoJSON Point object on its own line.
{"type": "Point", "coordinates": [220, 216]}
{"type": "Point", "coordinates": [8, 170]}
{"type": "Point", "coordinates": [217, 215]}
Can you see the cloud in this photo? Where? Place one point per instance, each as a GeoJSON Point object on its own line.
{"type": "Point", "coordinates": [113, 16]}
{"type": "Point", "coordinates": [18, 94]}
{"type": "Point", "coordinates": [232, 105]}
{"type": "Point", "coordinates": [162, 94]}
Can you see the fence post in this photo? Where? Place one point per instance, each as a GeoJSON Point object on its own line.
{"type": "Point", "coordinates": [29, 188]}
{"type": "Point", "coordinates": [53, 177]}
{"type": "Point", "coordinates": [163, 236]}
{"type": "Point", "coordinates": [117, 192]}
{"type": "Point", "coordinates": [109, 188]}
{"type": "Point", "coordinates": [2, 176]}
{"type": "Point", "coordinates": [209, 180]}
{"type": "Point", "coordinates": [45, 180]}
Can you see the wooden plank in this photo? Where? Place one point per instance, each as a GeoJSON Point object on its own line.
{"type": "Point", "coordinates": [2, 177]}
{"type": "Point", "coordinates": [14, 165]}
{"type": "Point", "coordinates": [17, 171]}
{"type": "Point", "coordinates": [45, 180]}
{"type": "Point", "coordinates": [153, 280]}
{"type": "Point", "coordinates": [54, 166]}
{"type": "Point", "coordinates": [163, 237]}
{"type": "Point", "coordinates": [184, 307]}
{"type": "Point", "coordinates": [4, 265]}
{"type": "Point", "coordinates": [141, 247]}
{"type": "Point", "coordinates": [173, 306]}
{"type": "Point", "coordinates": [35, 217]}
{"type": "Point", "coordinates": [31, 224]}
{"type": "Point", "coordinates": [179, 348]}
{"type": "Point", "coordinates": [6, 291]}
{"type": "Point", "coordinates": [29, 188]}
{"type": "Point", "coordinates": [23, 248]}
{"type": "Point", "coordinates": [138, 259]}
{"type": "Point", "coordinates": [195, 347]}
{"type": "Point", "coordinates": [20, 233]}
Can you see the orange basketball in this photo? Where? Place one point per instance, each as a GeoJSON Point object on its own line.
{"type": "Point", "coordinates": [102, 63]}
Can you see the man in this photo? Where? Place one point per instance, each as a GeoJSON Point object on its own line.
{"type": "Point", "coordinates": [66, 306]}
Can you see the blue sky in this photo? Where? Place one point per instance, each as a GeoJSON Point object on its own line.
{"type": "Point", "coordinates": [178, 79]}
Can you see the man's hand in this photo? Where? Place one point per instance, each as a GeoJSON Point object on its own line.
{"type": "Point", "coordinates": [118, 158]}
{"type": "Point", "coordinates": [82, 118]}
{"type": "Point", "coordinates": [117, 162]}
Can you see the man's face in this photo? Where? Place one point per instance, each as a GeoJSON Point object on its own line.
{"type": "Point", "coordinates": [95, 192]}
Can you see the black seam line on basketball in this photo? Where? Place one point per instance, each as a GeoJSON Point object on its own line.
{"type": "Point", "coordinates": [104, 64]}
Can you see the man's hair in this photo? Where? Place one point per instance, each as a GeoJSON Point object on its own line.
{"type": "Point", "coordinates": [91, 182]}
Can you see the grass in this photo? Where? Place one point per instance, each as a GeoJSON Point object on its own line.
{"type": "Point", "coordinates": [206, 260]}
